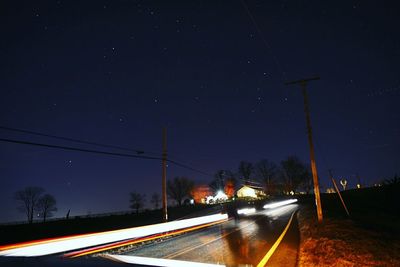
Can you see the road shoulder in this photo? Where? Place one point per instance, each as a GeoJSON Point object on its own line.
{"type": "Point", "coordinates": [340, 242]}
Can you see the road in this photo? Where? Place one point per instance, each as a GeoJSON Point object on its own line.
{"type": "Point", "coordinates": [233, 243]}
{"type": "Point", "coordinates": [268, 236]}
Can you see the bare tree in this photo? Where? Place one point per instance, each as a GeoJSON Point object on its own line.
{"type": "Point", "coordinates": [267, 172]}
{"type": "Point", "coordinates": [294, 172]}
{"type": "Point", "coordinates": [245, 170]}
{"type": "Point", "coordinates": [179, 189]}
{"type": "Point", "coordinates": [137, 201]}
{"type": "Point", "coordinates": [46, 206]}
{"type": "Point", "coordinates": [218, 183]}
{"type": "Point", "coordinates": [307, 182]}
{"type": "Point", "coordinates": [29, 198]}
{"type": "Point", "coordinates": [155, 200]}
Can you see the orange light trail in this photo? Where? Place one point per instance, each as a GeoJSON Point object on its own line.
{"type": "Point", "coordinates": [69, 243]}
{"type": "Point", "coordinates": [80, 253]}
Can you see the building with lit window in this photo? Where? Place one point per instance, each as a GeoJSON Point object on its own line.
{"type": "Point", "coordinates": [250, 191]}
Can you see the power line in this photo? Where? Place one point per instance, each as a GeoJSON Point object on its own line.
{"type": "Point", "coordinates": [76, 149]}
{"type": "Point", "coordinates": [188, 167]}
{"type": "Point", "coordinates": [138, 151]}
{"type": "Point", "coordinates": [101, 152]}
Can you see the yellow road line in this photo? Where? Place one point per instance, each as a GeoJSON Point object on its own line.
{"type": "Point", "coordinates": [276, 244]}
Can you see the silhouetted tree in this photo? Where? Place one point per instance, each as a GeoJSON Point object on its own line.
{"type": "Point", "coordinates": [245, 170]}
{"type": "Point", "coordinates": [267, 172]}
{"type": "Point", "coordinates": [179, 188]}
{"type": "Point", "coordinates": [307, 182]}
{"type": "Point", "coordinates": [294, 173]}
{"type": "Point", "coordinates": [155, 200]}
{"type": "Point", "coordinates": [392, 181]}
{"type": "Point", "coordinates": [137, 201]}
{"type": "Point", "coordinates": [218, 183]}
{"type": "Point", "coordinates": [29, 198]}
{"type": "Point", "coordinates": [46, 206]}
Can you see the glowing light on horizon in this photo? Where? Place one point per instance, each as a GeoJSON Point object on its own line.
{"type": "Point", "coordinates": [159, 262]}
{"type": "Point", "coordinates": [57, 245]}
{"type": "Point", "coordinates": [221, 196]}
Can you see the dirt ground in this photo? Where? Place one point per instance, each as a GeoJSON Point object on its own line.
{"type": "Point", "coordinates": [342, 242]}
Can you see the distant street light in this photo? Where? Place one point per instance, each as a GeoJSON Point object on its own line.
{"type": "Point", "coordinates": [343, 182]}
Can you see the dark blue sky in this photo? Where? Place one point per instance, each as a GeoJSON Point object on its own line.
{"type": "Point", "coordinates": [116, 72]}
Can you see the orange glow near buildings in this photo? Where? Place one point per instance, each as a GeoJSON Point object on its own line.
{"type": "Point", "coordinates": [199, 193]}
{"type": "Point", "coordinates": [229, 189]}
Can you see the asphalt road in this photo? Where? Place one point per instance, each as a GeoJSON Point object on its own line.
{"type": "Point", "coordinates": [243, 242]}
{"type": "Point", "coordinates": [234, 243]}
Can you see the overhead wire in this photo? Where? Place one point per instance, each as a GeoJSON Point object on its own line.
{"type": "Point", "coordinates": [183, 165]}
{"type": "Point", "coordinates": [102, 152]}
{"type": "Point", "coordinates": [138, 151]}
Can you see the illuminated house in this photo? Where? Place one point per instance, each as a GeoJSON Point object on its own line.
{"type": "Point", "coordinates": [250, 191]}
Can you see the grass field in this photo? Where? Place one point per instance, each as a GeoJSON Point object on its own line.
{"type": "Point", "coordinates": [369, 237]}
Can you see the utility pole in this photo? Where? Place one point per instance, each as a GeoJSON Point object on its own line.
{"type": "Point", "coordinates": [164, 176]}
{"type": "Point", "coordinates": [338, 192]}
{"type": "Point", "coordinates": [303, 84]}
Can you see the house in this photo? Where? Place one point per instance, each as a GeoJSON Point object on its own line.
{"type": "Point", "coordinates": [250, 191]}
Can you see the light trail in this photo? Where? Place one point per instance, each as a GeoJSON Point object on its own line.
{"type": "Point", "coordinates": [99, 249]}
{"type": "Point", "coordinates": [246, 211]}
{"type": "Point", "coordinates": [58, 245]}
{"type": "Point", "coordinates": [159, 262]}
{"type": "Point", "coordinates": [280, 211]}
{"type": "Point", "coordinates": [279, 204]}
{"type": "Point", "coordinates": [183, 251]}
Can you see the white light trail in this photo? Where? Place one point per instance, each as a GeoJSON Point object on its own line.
{"type": "Point", "coordinates": [279, 204]}
{"type": "Point", "coordinates": [246, 211]}
{"type": "Point", "coordinates": [281, 210]}
{"type": "Point", "coordinates": [159, 262]}
{"type": "Point", "coordinates": [57, 245]}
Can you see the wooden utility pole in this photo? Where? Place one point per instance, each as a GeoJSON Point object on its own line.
{"type": "Point", "coordinates": [164, 176]}
{"type": "Point", "coordinates": [303, 84]}
{"type": "Point", "coordinates": [338, 192]}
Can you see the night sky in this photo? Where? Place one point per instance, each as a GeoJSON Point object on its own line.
{"type": "Point", "coordinates": [116, 72]}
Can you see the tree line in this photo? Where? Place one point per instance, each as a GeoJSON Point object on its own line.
{"type": "Point", "coordinates": [34, 201]}
{"type": "Point", "coordinates": [290, 174]}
